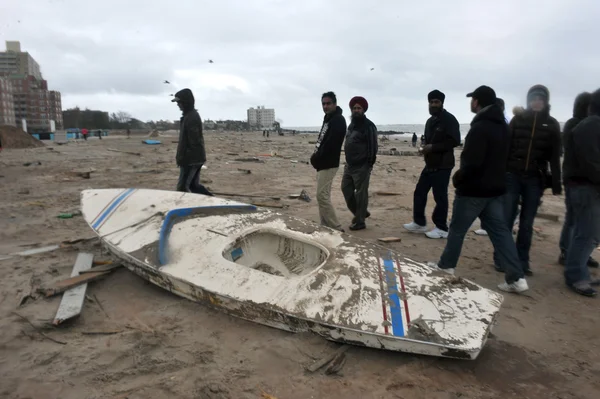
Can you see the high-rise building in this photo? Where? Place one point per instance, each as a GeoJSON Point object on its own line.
{"type": "Point", "coordinates": [261, 117]}
{"type": "Point", "coordinates": [7, 106]}
{"type": "Point", "coordinates": [32, 100]}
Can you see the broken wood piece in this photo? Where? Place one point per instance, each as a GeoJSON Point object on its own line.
{"type": "Point", "coordinates": [317, 365]}
{"type": "Point", "coordinates": [249, 160]}
{"type": "Point", "coordinates": [104, 268]}
{"type": "Point", "coordinates": [102, 262]}
{"type": "Point", "coordinates": [38, 330]}
{"type": "Point", "coordinates": [266, 205]}
{"type": "Point", "coordinates": [217, 232]}
{"type": "Point", "coordinates": [547, 216]}
{"type": "Point", "coordinates": [35, 251]}
{"type": "Point", "coordinates": [389, 239]}
{"type": "Point", "coordinates": [246, 195]}
{"type": "Point", "coordinates": [72, 282]}
{"type": "Point", "coordinates": [246, 171]}
{"type": "Point", "coordinates": [102, 332]}
{"type": "Point", "coordinates": [124, 152]}
{"type": "Point", "coordinates": [387, 193]}
{"type": "Point", "coordinates": [336, 364]}
{"type": "Point", "coordinates": [72, 301]}
{"type": "Point", "coordinates": [265, 395]}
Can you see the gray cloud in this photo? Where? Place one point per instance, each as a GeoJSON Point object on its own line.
{"type": "Point", "coordinates": [115, 55]}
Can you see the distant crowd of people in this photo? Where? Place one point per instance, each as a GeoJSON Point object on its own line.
{"type": "Point", "coordinates": [503, 167]}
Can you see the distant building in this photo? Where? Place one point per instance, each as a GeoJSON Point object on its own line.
{"type": "Point", "coordinates": [261, 117]}
{"type": "Point", "coordinates": [31, 98]}
{"type": "Point", "coordinates": [7, 105]}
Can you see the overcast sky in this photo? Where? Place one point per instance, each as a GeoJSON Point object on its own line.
{"type": "Point", "coordinates": [114, 55]}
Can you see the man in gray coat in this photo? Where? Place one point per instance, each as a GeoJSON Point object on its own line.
{"type": "Point", "coordinates": [191, 153]}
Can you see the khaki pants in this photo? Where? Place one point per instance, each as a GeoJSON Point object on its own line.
{"type": "Point", "coordinates": [326, 211]}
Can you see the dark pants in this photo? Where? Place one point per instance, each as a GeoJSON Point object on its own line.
{"type": "Point", "coordinates": [584, 204]}
{"type": "Point", "coordinates": [567, 230]}
{"type": "Point", "coordinates": [355, 187]}
{"type": "Point", "coordinates": [189, 180]}
{"type": "Point", "coordinates": [491, 211]}
{"type": "Point", "coordinates": [438, 180]}
{"type": "Point", "coordinates": [529, 190]}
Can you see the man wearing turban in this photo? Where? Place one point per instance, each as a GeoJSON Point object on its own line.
{"type": "Point", "coordinates": [361, 152]}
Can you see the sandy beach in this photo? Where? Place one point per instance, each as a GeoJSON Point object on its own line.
{"type": "Point", "coordinates": [135, 340]}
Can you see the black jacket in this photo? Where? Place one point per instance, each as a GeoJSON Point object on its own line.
{"type": "Point", "coordinates": [329, 144]}
{"type": "Point", "coordinates": [443, 133]}
{"type": "Point", "coordinates": [361, 143]}
{"type": "Point", "coordinates": [190, 149]}
{"type": "Point", "coordinates": [582, 153]}
{"type": "Point", "coordinates": [535, 143]}
{"type": "Point", "coordinates": [482, 171]}
{"type": "Point", "coordinates": [580, 111]}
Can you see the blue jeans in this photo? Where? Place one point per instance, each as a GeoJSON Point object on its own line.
{"type": "Point", "coordinates": [189, 180]}
{"type": "Point", "coordinates": [491, 211]}
{"type": "Point", "coordinates": [584, 203]}
{"type": "Point", "coordinates": [529, 190]}
{"type": "Point", "coordinates": [567, 230]}
{"type": "Point", "coordinates": [438, 181]}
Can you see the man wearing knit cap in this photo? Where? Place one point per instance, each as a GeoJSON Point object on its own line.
{"type": "Point", "coordinates": [533, 165]}
{"type": "Point", "coordinates": [442, 134]}
{"type": "Point", "coordinates": [582, 178]}
{"type": "Point", "coordinates": [361, 153]}
{"type": "Point", "coordinates": [480, 185]}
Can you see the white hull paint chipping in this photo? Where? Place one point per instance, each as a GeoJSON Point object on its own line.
{"type": "Point", "coordinates": [290, 273]}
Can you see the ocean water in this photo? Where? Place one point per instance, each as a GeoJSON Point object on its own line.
{"type": "Point", "coordinates": [406, 129]}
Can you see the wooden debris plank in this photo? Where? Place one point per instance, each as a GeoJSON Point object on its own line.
{"type": "Point", "coordinates": [72, 282]}
{"type": "Point", "coordinates": [389, 239]}
{"type": "Point", "coordinates": [72, 300]}
{"type": "Point", "coordinates": [335, 355]}
{"type": "Point", "coordinates": [125, 152]}
{"type": "Point", "coordinates": [265, 205]}
{"type": "Point", "coordinates": [101, 269]}
{"type": "Point", "coordinates": [387, 193]}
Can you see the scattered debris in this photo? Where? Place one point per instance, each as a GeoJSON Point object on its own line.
{"type": "Point", "coordinates": [37, 329]}
{"type": "Point", "coordinates": [389, 239]}
{"type": "Point", "coordinates": [36, 251]}
{"type": "Point", "coordinates": [312, 142]}
{"type": "Point", "coordinates": [84, 175]}
{"type": "Point", "coordinates": [387, 193]}
{"type": "Point", "coordinates": [265, 395]}
{"type": "Point", "coordinates": [152, 142]}
{"type": "Point", "coordinates": [32, 163]}
{"type": "Point", "coordinates": [333, 358]}
{"type": "Point", "coordinates": [266, 205]}
{"type": "Point", "coordinates": [68, 215]}
{"type": "Point", "coordinates": [245, 171]}
{"type": "Point", "coordinates": [72, 282]}
{"type": "Point", "coordinates": [232, 153]}
{"type": "Point", "coordinates": [217, 232]}
{"type": "Point", "coordinates": [124, 152]}
{"type": "Point", "coordinates": [249, 160]}
{"type": "Point", "coordinates": [246, 195]}
{"type": "Point", "coordinates": [304, 196]}
{"type": "Point", "coordinates": [547, 216]}
{"type": "Point", "coordinates": [23, 191]}
{"type": "Point", "coordinates": [72, 301]}
{"type": "Point", "coordinates": [102, 332]}
{"type": "Point", "coordinates": [104, 268]}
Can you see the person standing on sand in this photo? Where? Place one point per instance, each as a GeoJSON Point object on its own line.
{"type": "Point", "coordinates": [480, 184]}
{"type": "Point", "coordinates": [326, 157]}
{"type": "Point", "coordinates": [191, 153]}
{"type": "Point", "coordinates": [361, 153]}
{"type": "Point", "coordinates": [414, 140]}
{"type": "Point", "coordinates": [535, 143]}
{"type": "Point", "coordinates": [442, 135]}
{"type": "Point", "coordinates": [84, 133]}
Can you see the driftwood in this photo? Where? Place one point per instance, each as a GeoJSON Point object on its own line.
{"type": "Point", "coordinates": [64, 285]}
{"type": "Point", "coordinates": [125, 152]}
{"type": "Point", "coordinates": [333, 358]}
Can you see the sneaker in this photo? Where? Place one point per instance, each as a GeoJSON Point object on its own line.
{"type": "Point", "coordinates": [435, 266]}
{"type": "Point", "coordinates": [481, 232]}
{"type": "Point", "coordinates": [358, 226]}
{"type": "Point", "coordinates": [415, 228]}
{"type": "Point", "coordinates": [517, 287]}
{"type": "Point", "coordinates": [584, 288]}
{"type": "Point", "coordinates": [437, 233]}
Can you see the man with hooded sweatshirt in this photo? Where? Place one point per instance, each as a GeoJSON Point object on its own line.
{"type": "Point", "coordinates": [534, 144]}
{"type": "Point", "coordinates": [326, 157]}
{"type": "Point", "coordinates": [442, 135]}
{"type": "Point", "coordinates": [580, 112]}
{"type": "Point", "coordinates": [361, 153]}
{"type": "Point", "coordinates": [480, 184]}
{"type": "Point", "coordinates": [191, 153]}
{"type": "Point", "coordinates": [582, 179]}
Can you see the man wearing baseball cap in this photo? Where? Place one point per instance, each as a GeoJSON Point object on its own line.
{"type": "Point", "coordinates": [480, 185]}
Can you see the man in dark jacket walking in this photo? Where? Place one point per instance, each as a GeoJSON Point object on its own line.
{"type": "Point", "coordinates": [361, 153]}
{"type": "Point", "coordinates": [581, 169]}
{"type": "Point", "coordinates": [326, 157]}
{"type": "Point", "coordinates": [535, 143]}
{"type": "Point", "coordinates": [191, 153]}
{"type": "Point", "coordinates": [480, 184]}
{"type": "Point", "coordinates": [580, 112]}
{"type": "Point", "coordinates": [442, 134]}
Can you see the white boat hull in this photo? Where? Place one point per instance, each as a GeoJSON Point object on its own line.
{"type": "Point", "coordinates": [291, 274]}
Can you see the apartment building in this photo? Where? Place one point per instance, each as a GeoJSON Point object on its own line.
{"type": "Point", "coordinates": [261, 117]}
{"type": "Point", "coordinates": [7, 107]}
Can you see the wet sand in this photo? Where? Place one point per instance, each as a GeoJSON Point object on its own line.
{"type": "Point", "coordinates": [546, 343]}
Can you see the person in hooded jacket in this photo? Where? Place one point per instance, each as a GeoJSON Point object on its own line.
{"type": "Point", "coordinates": [480, 184]}
{"type": "Point", "coordinates": [326, 157]}
{"type": "Point", "coordinates": [191, 153]}
{"type": "Point", "coordinates": [361, 153]}
{"type": "Point", "coordinates": [442, 135]}
{"type": "Point", "coordinates": [580, 112]}
{"type": "Point", "coordinates": [534, 144]}
{"type": "Point", "coordinates": [582, 178]}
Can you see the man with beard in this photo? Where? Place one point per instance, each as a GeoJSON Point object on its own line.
{"type": "Point", "coordinates": [480, 184]}
{"type": "Point", "coordinates": [361, 153]}
{"type": "Point", "coordinates": [442, 134]}
{"type": "Point", "coordinates": [191, 153]}
{"type": "Point", "coordinates": [582, 177]}
{"type": "Point", "coordinates": [326, 157]}
{"type": "Point", "coordinates": [580, 112]}
{"type": "Point", "coordinates": [535, 143]}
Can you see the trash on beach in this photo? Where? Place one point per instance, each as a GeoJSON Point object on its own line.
{"type": "Point", "coordinates": [249, 160]}
{"type": "Point", "coordinates": [68, 215]}
{"type": "Point", "coordinates": [389, 239]}
{"type": "Point", "coordinates": [245, 171]}
{"type": "Point", "coordinates": [151, 142]}
{"type": "Point", "coordinates": [72, 300]}
{"type": "Point", "coordinates": [124, 152]}
{"type": "Point", "coordinates": [387, 193]}
{"type": "Point", "coordinates": [304, 196]}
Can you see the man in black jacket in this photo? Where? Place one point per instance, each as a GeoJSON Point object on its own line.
{"type": "Point", "coordinates": [191, 154]}
{"type": "Point", "coordinates": [580, 112]}
{"type": "Point", "coordinates": [326, 157]}
{"type": "Point", "coordinates": [480, 185]}
{"type": "Point", "coordinates": [442, 134]}
{"type": "Point", "coordinates": [581, 169]}
{"type": "Point", "coordinates": [535, 143]}
{"type": "Point", "coordinates": [361, 153]}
